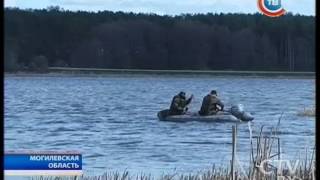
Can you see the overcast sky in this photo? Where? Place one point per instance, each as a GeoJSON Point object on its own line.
{"type": "Point", "coordinates": [171, 7]}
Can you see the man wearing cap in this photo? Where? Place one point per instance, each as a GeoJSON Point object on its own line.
{"type": "Point", "coordinates": [211, 104]}
{"type": "Point", "coordinates": [179, 104]}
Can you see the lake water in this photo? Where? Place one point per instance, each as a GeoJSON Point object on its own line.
{"type": "Point", "coordinates": [112, 119]}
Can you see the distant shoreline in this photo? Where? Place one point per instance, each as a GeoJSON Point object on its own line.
{"type": "Point", "coordinates": [96, 71]}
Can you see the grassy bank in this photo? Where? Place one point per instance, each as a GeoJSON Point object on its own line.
{"type": "Point", "coordinates": [214, 174]}
{"type": "Point", "coordinates": [304, 171]}
{"type": "Point", "coordinates": [62, 71]}
{"type": "Point", "coordinates": [265, 150]}
{"type": "Point", "coordinates": [205, 72]}
{"type": "Point", "coordinates": [311, 112]}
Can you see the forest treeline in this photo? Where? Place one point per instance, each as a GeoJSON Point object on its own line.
{"type": "Point", "coordinates": [36, 39]}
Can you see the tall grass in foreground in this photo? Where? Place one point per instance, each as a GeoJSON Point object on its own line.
{"type": "Point", "coordinates": [262, 156]}
{"type": "Point", "coordinates": [267, 165]}
{"type": "Point", "coordinates": [213, 174]}
{"type": "Point", "coordinates": [308, 112]}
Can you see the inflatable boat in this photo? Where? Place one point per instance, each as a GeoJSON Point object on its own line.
{"type": "Point", "coordinates": [235, 114]}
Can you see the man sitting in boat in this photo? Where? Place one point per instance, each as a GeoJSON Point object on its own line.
{"type": "Point", "coordinates": [179, 104]}
{"type": "Point", "coordinates": [211, 104]}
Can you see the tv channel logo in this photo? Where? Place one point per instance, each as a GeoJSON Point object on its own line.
{"type": "Point", "coordinates": [271, 8]}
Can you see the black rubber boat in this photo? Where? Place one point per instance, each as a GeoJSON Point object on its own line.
{"type": "Point", "coordinates": [235, 114]}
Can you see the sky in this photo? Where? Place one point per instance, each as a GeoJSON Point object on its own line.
{"type": "Point", "coordinates": [169, 7]}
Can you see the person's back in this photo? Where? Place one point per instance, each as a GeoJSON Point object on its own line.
{"type": "Point", "coordinates": [210, 104]}
{"type": "Point", "coordinates": [205, 105]}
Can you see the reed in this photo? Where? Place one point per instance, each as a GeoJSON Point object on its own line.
{"type": "Point", "coordinates": [308, 112]}
{"type": "Point", "coordinates": [304, 172]}
{"type": "Point", "coordinates": [264, 148]}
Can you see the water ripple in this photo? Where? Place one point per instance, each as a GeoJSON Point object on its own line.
{"type": "Point", "coordinates": [112, 119]}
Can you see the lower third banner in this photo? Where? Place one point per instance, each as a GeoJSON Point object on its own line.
{"type": "Point", "coordinates": [44, 163]}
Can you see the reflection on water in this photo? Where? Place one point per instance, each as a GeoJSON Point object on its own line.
{"type": "Point", "coordinates": [112, 120]}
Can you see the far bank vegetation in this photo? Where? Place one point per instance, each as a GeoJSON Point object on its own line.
{"type": "Point", "coordinates": [37, 39]}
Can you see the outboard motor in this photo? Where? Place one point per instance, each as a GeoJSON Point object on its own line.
{"type": "Point", "coordinates": [238, 111]}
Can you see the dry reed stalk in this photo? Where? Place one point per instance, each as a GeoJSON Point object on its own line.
{"type": "Point", "coordinates": [263, 151]}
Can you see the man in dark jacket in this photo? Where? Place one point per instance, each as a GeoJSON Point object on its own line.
{"type": "Point", "coordinates": [179, 104]}
{"type": "Point", "coordinates": [211, 104]}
